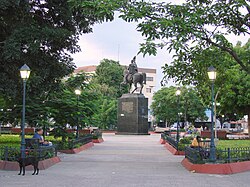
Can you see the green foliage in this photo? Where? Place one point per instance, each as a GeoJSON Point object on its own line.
{"type": "Point", "coordinates": [231, 85]}
{"type": "Point", "coordinates": [224, 144]}
{"type": "Point", "coordinates": [15, 140]}
{"type": "Point", "coordinates": [12, 153]}
{"type": "Point", "coordinates": [165, 105]}
{"type": "Point", "coordinates": [185, 141]}
{"type": "Point", "coordinates": [106, 85]}
{"type": "Point", "coordinates": [110, 74]}
{"type": "Point", "coordinates": [189, 27]}
{"type": "Point", "coordinates": [97, 134]}
{"type": "Point", "coordinates": [70, 143]}
{"type": "Point", "coordinates": [42, 34]}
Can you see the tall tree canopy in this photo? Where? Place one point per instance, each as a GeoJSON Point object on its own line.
{"type": "Point", "coordinates": [165, 105]}
{"type": "Point", "coordinates": [41, 34]}
{"type": "Point", "coordinates": [190, 27]}
{"type": "Point", "coordinates": [110, 73]}
{"type": "Point", "coordinates": [106, 82]}
{"type": "Point", "coordinates": [231, 84]}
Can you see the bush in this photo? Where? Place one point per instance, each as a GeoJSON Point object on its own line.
{"type": "Point", "coordinates": [185, 141]}
{"type": "Point", "coordinates": [96, 134]}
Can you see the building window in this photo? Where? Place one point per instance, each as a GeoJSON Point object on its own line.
{"type": "Point", "coordinates": [148, 90]}
{"type": "Point", "coordinates": [149, 78]}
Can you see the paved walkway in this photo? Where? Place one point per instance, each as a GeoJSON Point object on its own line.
{"type": "Point", "coordinates": [122, 161]}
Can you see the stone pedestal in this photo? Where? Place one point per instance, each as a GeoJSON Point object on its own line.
{"type": "Point", "coordinates": [132, 115]}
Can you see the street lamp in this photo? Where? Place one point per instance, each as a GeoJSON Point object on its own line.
{"type": "Point", "coordinates": [78, 93]}
{"type": "Point", "coordinates": [25, 73]}
{"type": "Point", "coordinates": [212, 76]}
{"type": "Point", "coordinates": [215, 120]}
{"type": "Point", "coordinates": [178, 93]}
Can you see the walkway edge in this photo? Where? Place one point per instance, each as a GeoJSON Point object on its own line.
{"type": "Point", "coordinates": [223, 169]}
{"type": "Point", "coordinates": [173, 150]}
{"type": "Point", "coordinates": [99, 140]}
{"type": "Point", "coordinates": [43, 164]}
{"type": "Point", "coordinates": [77, 150]}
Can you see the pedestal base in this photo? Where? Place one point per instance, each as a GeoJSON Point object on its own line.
{"type": "Point", "coordinates": [132, 115]}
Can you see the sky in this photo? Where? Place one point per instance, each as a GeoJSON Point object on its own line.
{"type": "Point", "coordinates": [119, 40]}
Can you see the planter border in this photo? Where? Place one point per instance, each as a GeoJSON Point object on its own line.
{"type": "Point", "coordinates": [99, 140]}
{"type": "Point", "coordinates": [173, 150]}
{"type": "Point", "coordinates": [223, 169]}
{"type": "Point", "coordinates": [162, 141]}
{"type": "Point", "coordinates": [77, 150]}
{"type": "Point", "coordinates": [43, 164]}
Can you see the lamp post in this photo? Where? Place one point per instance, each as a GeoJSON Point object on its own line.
{"type": "Point", "coordinates": [212, 76]}
{"type": "Point", "coordinates": [177, 93]}
{"type": "Point", "coordinates": [25, 73]}
{"type": "Point", "coordinates": [215, 120]}
{"type": "Point", "coordinates": [78, 93]}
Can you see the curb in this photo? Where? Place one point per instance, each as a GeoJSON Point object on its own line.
{"type": "Point", "coordinates": [77, 150]}
{"type": "Point", "coordinates": [43, 164]}
{"type": "Point", "coordinates": [99, 140]}
{"type": "Point", "coordinates": [162, 141]}
{"type": "Point", "coordinates": [173, 150]}
{"type": "Point", "coordinates": [223, 169]}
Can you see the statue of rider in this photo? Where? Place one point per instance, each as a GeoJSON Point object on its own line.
{"type": "Point", "coordinates": [132, 69]}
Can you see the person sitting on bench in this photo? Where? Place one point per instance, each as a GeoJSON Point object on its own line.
{"type": "Point", "coordinates": [196, 143]}
{"type": "Point", "coordinates": [38, 135]}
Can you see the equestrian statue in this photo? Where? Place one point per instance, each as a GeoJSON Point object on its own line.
{"type": "Point", "coordinates": [131, 76]}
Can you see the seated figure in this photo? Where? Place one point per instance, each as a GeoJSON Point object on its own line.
{"type": "Point", "coordinates": [38, 135]}
{"type": "Point", "coordinates": [196, 143]}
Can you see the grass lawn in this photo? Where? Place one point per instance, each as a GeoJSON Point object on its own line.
{"type": "Point", "coordinates": [233, 143]}
{"type": "Point", "coordinates": [15, 140]}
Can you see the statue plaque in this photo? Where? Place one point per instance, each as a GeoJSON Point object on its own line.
{"type": "Point", "coordinates": [128, 107]}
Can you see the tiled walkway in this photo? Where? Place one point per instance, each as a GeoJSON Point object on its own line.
{"type": "Point", "coordinates": [125, 161]}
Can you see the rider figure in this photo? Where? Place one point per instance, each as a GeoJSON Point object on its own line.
{"type": "Point", "coordinates": [132, 69]}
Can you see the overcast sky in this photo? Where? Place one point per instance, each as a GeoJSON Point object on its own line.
{"type": "Point", "coordinates": [119, 40]}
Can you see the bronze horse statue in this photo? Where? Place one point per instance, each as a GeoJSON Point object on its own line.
{"type": "Point", "coordinates": [134, 79]}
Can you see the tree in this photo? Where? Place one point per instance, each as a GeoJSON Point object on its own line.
{"type": "Point", "coordinates": [106, 116]}
{"type": "Point", "coordinates": [106, 84]}
{"type": "Point", "coordinates": [165, 105]}
{"type": "Point", "coordinates": [64, 108]}
{"type": "Point", "coordinates": [110, 73]}
{"type": "Point", "coordinates": [190, 27]}
{"type": "Point", "coordinates": [41, 34]}
{"type": "Point", "coordinates": [231, 84]}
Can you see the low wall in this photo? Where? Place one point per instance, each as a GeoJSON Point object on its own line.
{"type": "Point", "coordinates": [220, 134]}
{"type": "Point", "coordinates": [26, 130]}
{"type": "Point", "coordinates": [222, 169]}
{"type": "Point", "coordinates": [162, 141]}
{"type": "Point", "coordinates": [173, 150]}
{"type": "Point", "coordinates": [43, 164]}
{"type": "Point", "coordinates": [99, 140]}
{"type": "Point", "coordinates": [77, 150]}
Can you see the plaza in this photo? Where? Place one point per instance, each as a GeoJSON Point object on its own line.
{"type": "Point", "coordinates": [122, 161]}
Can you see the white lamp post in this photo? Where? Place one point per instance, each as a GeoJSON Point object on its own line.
{"type": "Point", "coordinates": [25, 73]}
{"type": "Point", "coordinates": [212, 76]}
{"type": "Point", "coordinates": [78, 93]}
{"type": "Point", "coordinates": [178, 93]}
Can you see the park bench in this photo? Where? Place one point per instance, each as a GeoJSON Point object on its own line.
{"type": "Point", "coordinates": [32, 143]}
